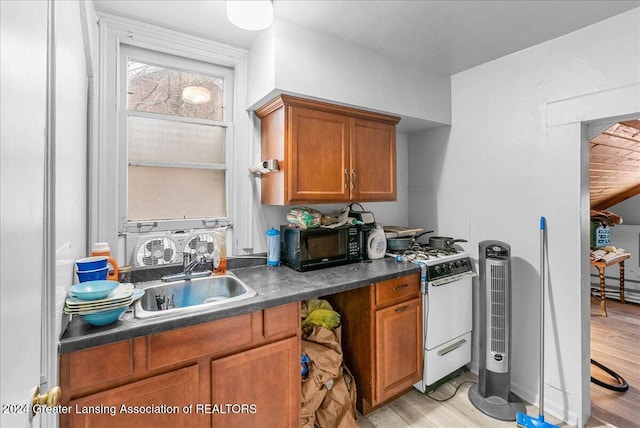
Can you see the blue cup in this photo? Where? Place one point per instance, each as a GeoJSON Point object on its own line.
{"type": "Point", "coordinates": [93, 275]}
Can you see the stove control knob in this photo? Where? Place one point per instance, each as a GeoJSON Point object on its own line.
{"type": "Point", "coordinates": [458, 263]}
{"type": "Point", "coordinates": [437, 269]}
{"type": "Point", "coordinates": [451, 266]}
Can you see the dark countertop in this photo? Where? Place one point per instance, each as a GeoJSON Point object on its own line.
{"type": "Point", "coordinates": [275, 286]}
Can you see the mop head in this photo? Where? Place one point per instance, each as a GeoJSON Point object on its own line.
{"type": "Point", "coordinates": [530, 422]}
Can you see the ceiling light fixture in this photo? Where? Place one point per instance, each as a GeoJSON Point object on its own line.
{"type": "Point", "coordinates": [196, 95]}
{"type": "Point", "coordinates": [250, 15]}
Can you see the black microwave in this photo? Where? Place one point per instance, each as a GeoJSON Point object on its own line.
{"type": "Point", "coordinates": [317, 248]}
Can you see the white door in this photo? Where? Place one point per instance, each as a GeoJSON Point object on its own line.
{"type": "Point", "coordinates": [23, 50]}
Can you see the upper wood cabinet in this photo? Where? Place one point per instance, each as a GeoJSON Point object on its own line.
{"type": "Point", "coordinates": [327, 153]}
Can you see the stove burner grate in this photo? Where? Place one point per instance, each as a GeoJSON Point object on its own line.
{"type": "Point", "coordinates": [424, 252]}
{"type": "Point", "coordinates": [439, 263]}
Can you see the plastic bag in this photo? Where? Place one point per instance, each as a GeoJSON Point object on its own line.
{"type": "Point", "coordinates": [324, 317]}
{"type": "Point", "coordinates": [304, 217]}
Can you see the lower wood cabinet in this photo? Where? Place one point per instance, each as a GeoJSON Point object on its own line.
{"type": "Point", "coordinates": [261, 384]}
{"type": "Point", "coordinates": [160, 401]}
{"type": "Point", "coordinates": [382, 338]}
{"type": "Point", "coordinates": [236, 372]}
{"type": "Point", "coordinates": [398, 332]}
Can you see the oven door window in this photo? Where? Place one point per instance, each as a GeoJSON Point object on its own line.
{"type": "Point", "coordinates": [324, 246]}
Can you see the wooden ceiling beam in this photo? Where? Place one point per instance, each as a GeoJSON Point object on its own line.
{"type": "Point", "coordinates": [632, 123]}
{"type": "Point", "coordinates": [614, 137]}
{"type": "Point", "coordinates": [623, 169]}
{"type": "Point", "coordinates": [617, 198]}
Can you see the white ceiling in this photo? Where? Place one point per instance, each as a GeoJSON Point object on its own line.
{"type": "Point", "coordinates": [439, 36]}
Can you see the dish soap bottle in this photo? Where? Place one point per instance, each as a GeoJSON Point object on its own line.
{"type": "Point", "coordinates": [102, 249]}
{"type": "Point", "coordinates": [220, 252]}
{"type": "Point", "coordinates": [376, 243]}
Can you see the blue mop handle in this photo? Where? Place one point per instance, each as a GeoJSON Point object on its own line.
{"type": "Point", "coordinates": [543, 223]}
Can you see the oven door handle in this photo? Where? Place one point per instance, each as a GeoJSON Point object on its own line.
{"type": "Point", "coordinates": [452, 347]}
{"type": "Point", "coordinates": [452, 278]}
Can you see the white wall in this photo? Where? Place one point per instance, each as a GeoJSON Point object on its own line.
{"type": "Point", "coordinates": [501, 167]}
{"type": "Point", "coordinates": [71, 147]}
{"type": "Point", "coordinates": [315, 65]}
{"type": "Point", "coordinates": [427, 150]}
{"type": "Point", "coordinates": [291, 59]}
{"type": "Point", "coordinates": [629, 210]}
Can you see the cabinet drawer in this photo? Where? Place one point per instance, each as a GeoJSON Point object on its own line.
{"type": "Point", "coordinates": [397, 290]}
{"type": "Point", "coordinates": [281, 320]}
{"type": "Point", "coordinates": [447, 358]}
{"type": "Point", "coordinates": [192, 342]}
{"type": "Point", "coordinates": [100, 365]}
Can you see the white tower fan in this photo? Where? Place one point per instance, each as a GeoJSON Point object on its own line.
{"type": "Point", "coordinates": [492, 395]}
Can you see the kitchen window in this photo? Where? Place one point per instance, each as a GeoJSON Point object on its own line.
{"type": "Point", "coordinates": [176, 126]}
{"type": "Point", "coordinates": [169, 128]}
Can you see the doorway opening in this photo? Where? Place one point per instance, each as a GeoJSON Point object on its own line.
{"type": "Point", "coordinates": [614, 188]}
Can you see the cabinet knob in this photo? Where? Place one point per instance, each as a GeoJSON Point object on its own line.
{"type": "Point", "coordinates": [346, 179]}
{"type": "Point", "coordinates": [353, 179]}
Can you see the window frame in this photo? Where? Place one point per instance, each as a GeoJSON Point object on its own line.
{"type": "Point", "coordinates": [161, 59]}
{"type": "Point", "coordinates": [104, 204]}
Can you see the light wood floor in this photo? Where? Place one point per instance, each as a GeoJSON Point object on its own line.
{"type": "Point", "coordinates": [615, 342]}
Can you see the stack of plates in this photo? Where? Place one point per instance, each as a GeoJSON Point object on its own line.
{"type": "Point", "coordinates": [104, 311]}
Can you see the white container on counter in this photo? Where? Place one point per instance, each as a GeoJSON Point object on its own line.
{"type": "Point", "coordinates": [376, 243]}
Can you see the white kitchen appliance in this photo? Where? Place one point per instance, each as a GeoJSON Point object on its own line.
{"type": "Point", "coordinates": [447, 310]}
{"type": "Point", "coordinates": [492, 394]}
{"type": "Point", "coordinates": [376, 243]}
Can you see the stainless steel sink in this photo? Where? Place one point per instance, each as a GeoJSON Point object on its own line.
{"type": "Point", "coordinates": [191, 295]}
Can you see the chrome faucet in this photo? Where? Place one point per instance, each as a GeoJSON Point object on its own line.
{"type": "Point", "coordinates": [188, 265]}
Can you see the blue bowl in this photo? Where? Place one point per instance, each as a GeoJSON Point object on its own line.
{"type": "Point", "coordinates": [92, 263]}
{"type": "Point", "coordinates": [93, 275]}
{"type": "Point", "coordinates": [105, 317]}
{"type": "Point", "coordinates": [93, 290]}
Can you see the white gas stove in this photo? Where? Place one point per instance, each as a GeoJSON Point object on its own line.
{"type": "Point", "coordinates": [447, 309]}
{"type": "Point", "coordinates": [441, 265]}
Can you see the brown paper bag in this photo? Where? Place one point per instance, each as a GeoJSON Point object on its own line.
{"type": "Point", "coordinates": [337, 410]}
{"type": "Point", "coordinates": [328, 392]}
{"type": "Point", "coordinates": [312, 395]}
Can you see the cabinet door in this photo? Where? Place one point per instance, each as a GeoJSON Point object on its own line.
{"type": "Point", "coordinates": [258, 388]}
{"type": "Point", "coordinates": [155, 402]}
{"type": "Point", "coordinates": [398, 348]}
{"type": "Point", "coordinates": [317, 157]}
{"type": "Point", "coordinates": [373, 161]}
